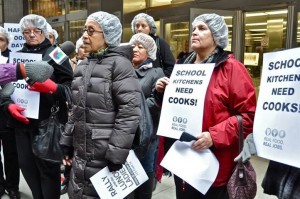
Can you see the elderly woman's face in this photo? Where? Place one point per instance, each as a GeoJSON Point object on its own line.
{"type": "Point", "coordinates": [93, 38]}
{"type": "Point", "coordinates": [3, 42]}
{"type": "Point", "coordinates": [140, 54]}
{"type": "Point", "coordinates": [202, 37]}
{"type": "Point", "coordinates": [33, 35]}
{"type": "Point", "coordinates": [51, 38]}
{"type": "Point", "coordinates": [141, 26]}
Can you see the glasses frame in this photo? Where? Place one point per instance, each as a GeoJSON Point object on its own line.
{"type": "Point", "coordinates": [35, 32]}
{"type": "Point", "coordinates": [90, 31]}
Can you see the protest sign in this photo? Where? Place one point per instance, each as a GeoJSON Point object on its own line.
{"type": "Point", "coordinates": [117, 185]}
{"type": "Point", "coordinates": [184, 95]}
{"type": "Point", "coordinates": [22, 96]}
{"type": "Point", "coordinates": [18, 39]}
{"type": "Point", "coordinates": [277, 119]}
{"type": "Point", "coordinates": [200, 174]}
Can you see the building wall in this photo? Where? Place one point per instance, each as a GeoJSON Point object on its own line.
{"type": "Point", "coordinates": [13, 10]}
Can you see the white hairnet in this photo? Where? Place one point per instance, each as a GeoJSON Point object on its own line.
{"type": "Point", "coordinates": [55, 34]}
{"type": "Point", "coordinates": [79, 43]}
{"type": "Point", "coordinates": [150, 21]}
{"type": "Point", "coordinates": [147, 42]}
{"type": "Point", "coordinates": [110, 25]}
{"type": "Point", "coordinates": [217, 27]}
{"type": "Point", "coordinates": [6, 34]}
{"type": "Point", "coordinates": [34, 20]}
{"type": "Point", "coordinates": [49, 30]}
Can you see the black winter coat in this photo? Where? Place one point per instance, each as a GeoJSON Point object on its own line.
{"type": "Point", "coordinates": [148, 78]}
{"type": "Point", "coordinates": [104, 117]}
{"type": "Point", "coordinates": [62, 76]}
{"type": "Point", "coordinates": [164, 56]}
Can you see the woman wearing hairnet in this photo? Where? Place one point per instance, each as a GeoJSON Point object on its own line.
{"type": "Point", "coordinates": [144, 54]}
{"type": "Point", "coordinates": [106, 109]}
{"type": "Point", "coordinates": [52, 34]}
{"type": "Point", "coordinates": [10, 165]}
{"type": "Point", "coordinates": [230, 92]}
{"type": "Point", "coordinates": [42, 177]}
{"type": "Point", "coordinates": [164, 58]}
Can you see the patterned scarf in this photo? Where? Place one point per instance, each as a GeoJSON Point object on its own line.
{"type": "Point", "coordinates": [208, 59]}
{"type": "Point", "coordinates": [99, 54]}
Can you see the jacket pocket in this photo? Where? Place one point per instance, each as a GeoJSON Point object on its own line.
{"type": "Point", "coordinates": [100, 139]}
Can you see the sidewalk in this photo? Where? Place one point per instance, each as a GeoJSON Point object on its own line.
{"type": "Point", "coordinates": [166, 189]}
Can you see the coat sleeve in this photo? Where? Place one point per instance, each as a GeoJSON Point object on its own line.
{"type": "Point", "coordinates": [8, 73]}
{"type": "Point", "coordinates": [66, 138]}
{"type": "Point", "coordinates": [126, 92]}
{"type": "Point", "coordinates": [166, 56]}
{"type": "Point", "coordinates": [153, 102]}
{"type": "Point", "coordinates": [241, 100]}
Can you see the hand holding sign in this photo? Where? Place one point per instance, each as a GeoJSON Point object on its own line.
{"type": "Point", "coordinates": [161, 84]}
{"type": "Point", "coordinates": [15, 112]}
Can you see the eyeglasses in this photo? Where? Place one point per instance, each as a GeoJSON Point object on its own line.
{"type": "Point", "coordinates": [90, 31]}
{"type": "Point", "coordinates": [35, 32]}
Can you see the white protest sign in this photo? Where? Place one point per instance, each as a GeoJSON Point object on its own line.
{"type": "Point", "coordinates": [200, 174]}
{"type": "Point", "coordinates": [119, 184]}
{"type": "Point", "coordinates": [23, 97]}
{"type": "Point", "coordinates": [277, 119]}
{"type": "Point", "coordinates": [18, 39]}
{"type": "Point", "coordinates": [3, 60]}
{"type": "Point", "coordinates": [184, 95]}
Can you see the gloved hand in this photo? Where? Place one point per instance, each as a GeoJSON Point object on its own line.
{"type": "Point", "coordinates": [7, 90]}
{"type": "Point", "coordinates": [47, 86]}
{"type": "Point", "coordinates": [249, 149]}
{"type": "Point", "coordinates": [38, 71]}
{"type": "Point", "coordinates": [15, 112]}
{"type": "Point", "coordinates": [113, 167]}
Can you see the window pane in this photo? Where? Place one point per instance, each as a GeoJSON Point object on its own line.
{"type": "Point", "coordinates": [265, 31]}
{"type": "Point", "coordinates": [298, 31]}
{"type": "Point", "coordinates": [76, 5]}
{"type": "Point", "coordinates": [131, 6]}
{"type": "Point", "coordinates": [75, 30]}
{"type": "Point", "coordinates": [46, 8]}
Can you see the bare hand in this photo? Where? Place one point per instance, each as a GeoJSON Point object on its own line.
{"type": "Point", "coordinates": [67, 161]}
{"type": "Point", "coordinates": [204, 141]}
{"type": "Point", "coordinates": [161, 84]}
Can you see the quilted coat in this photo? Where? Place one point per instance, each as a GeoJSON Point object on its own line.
{"type": "Point", "coordinates": [104, 118]}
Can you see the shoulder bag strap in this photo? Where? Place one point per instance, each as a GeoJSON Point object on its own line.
{"type": "Point", "coordinates": [241, 169]}
{"type": "Point", "coordinates": [240, 129]}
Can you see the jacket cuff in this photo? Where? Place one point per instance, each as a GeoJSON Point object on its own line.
{"type": "Point", "coordinates": [66, 140]}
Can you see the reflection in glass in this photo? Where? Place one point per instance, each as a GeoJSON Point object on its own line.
{"type": "Point", "coordinates": [77, 5]}
{"type": "Point", "coordinates": [75, 30]}
{"type": "Point", "coordinates": [46, 8]}
{"type": "Point", "coordinates": [265, 31]}
{"type": "Point", "coordinates": [298, 31]}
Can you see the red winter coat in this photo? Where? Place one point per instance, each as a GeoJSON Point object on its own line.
{"type": "Point", "coordinates": [230, 92]}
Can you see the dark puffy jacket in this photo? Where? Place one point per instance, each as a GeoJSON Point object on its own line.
{"type": "Point", "coordinates": [105, 116]}
{"type": "Point", "coordinates": [148, 78]}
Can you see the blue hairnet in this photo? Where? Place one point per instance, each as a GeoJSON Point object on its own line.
{"type": "Point", "coordinates": [35, 21]}
{"type": "Point", "coordinates": [217, 27]}
{"type": "Point", "coordinates": [79, 43]}
{"type": "Point", "coordinates": [110, 25]}
{"type": "Point", "coordinates": [147, 42]}
{"type": "Point", "coordinates": [150, 21]}
{"type": "Point", "coordinates": [8, 36]}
